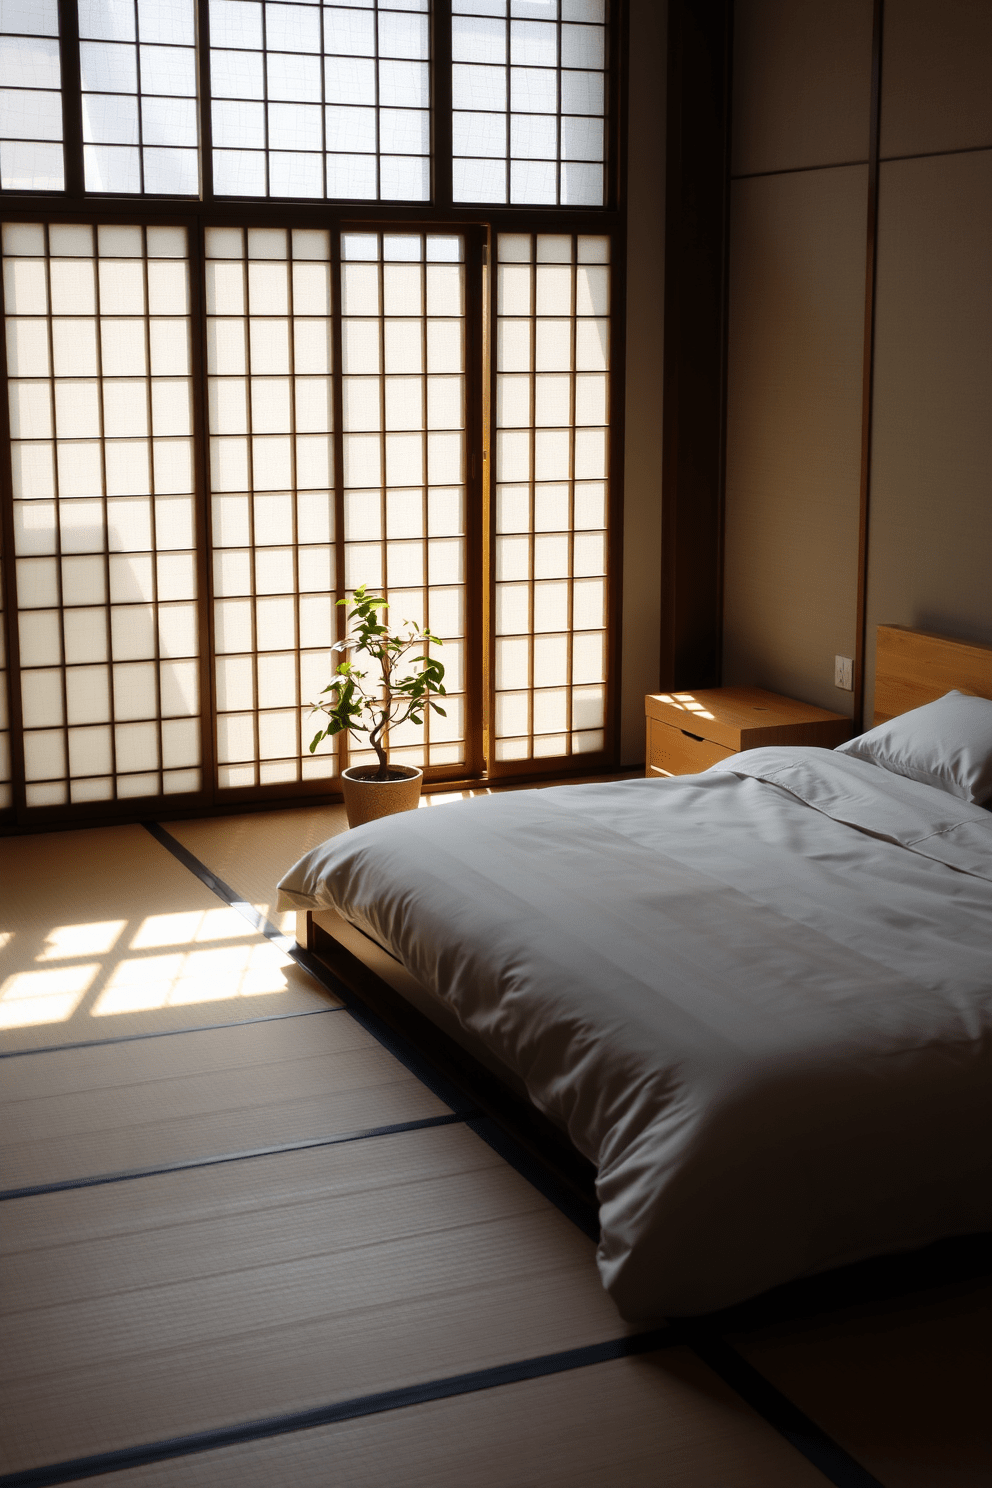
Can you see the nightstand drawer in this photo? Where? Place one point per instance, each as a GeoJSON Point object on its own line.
{"type": "Point", "coordinates": [680, 753]}
{"type": "Point", "coordinates": [689, 731]}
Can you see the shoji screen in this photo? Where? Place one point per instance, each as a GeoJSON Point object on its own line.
{"type": "Point", "coordinates": [98, 358]}
{"type": "Point", "coordinates": [137, 64]}
{"type": "Point", "coordinates": [403, 374]}
{"type": "Point", "coordinates": [139, 93]}
{"type": "Point", "coordinates": [269, 355]}
{"type": "Point", "coordinates": [552, 415]}
{"type": "Point", "coordinates": [30, 97]}
{"type": "Point", "coordinates": [312, 101]}
{"type": "Point", "coordinates": [528, 86]}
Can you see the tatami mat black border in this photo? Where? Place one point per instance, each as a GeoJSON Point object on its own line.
{"type": "Point", "coordinates": [775, 1408]}
{"type": "Point", "coordinates": [540, 1177]}
{"type": "Point", "coordinates": [343, 1410]}
{"type": "Point", "coordinates": [379, 1029]}
{"type": "Point", "coordinates": [362, 1134]}
{"type": "Point", "coordinates": [133, 1038]}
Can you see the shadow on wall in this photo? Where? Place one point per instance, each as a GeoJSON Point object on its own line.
{"type": "Point", "coordinates": [940, 623]}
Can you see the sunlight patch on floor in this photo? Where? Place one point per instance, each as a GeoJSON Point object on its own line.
{"type": "Point", "coordinates": [443, 798]}
{"type": "Point", "coordinates": [146, 982]}
{"type": "Point", "coordinates": [142, 983]}
{"type": "Point", "coordinates": [68, 941]}
{"type": "Point", "coordinates": [104, 934]}
{"type": "Point", "coordinates": [32, 997]}
{"type": "Point", "coordinates": [188, 927]}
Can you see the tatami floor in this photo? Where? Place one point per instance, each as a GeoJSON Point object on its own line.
{"type": "Point", "coordinates": [246, 1242]}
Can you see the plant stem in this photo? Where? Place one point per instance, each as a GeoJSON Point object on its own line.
{"type": "Point", "coordinates": [375, 737]}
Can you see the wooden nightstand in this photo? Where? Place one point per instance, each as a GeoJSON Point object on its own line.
{"type": "Point", "coordinates": [689, 731]}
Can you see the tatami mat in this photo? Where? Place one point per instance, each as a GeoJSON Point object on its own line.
{"type": "Point", "coordinates": [72, 1114]}
{"type": "Point", "coordinates": [103, 933]}
{"type": "Point", "coordinates": [235, 1212]}
{"type": "Point", "coordinates": [636, 1423]}
{"type": "Point", "coordinates": [161, 1306]}
{"type": "Point", "coordinates": [903, 1387]}
{"type": "Point", "coordinates": [252, 852]}
{"type": "Point", "coordinates": [279, 1284]}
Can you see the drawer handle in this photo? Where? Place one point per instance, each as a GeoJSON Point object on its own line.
{"type": "Point", "coordinates": [698, 737]}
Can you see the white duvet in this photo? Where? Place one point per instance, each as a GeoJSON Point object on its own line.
{"type": "Point", "coordinates": [758, 999]}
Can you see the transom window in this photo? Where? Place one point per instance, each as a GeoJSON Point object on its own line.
{"type": "Point", "coordinates": [315, 101]}
{"type": "Point", "coordinates": [529, 94]}
{"type": "Point", "coordinates": [30, 97]}
{"type": "Point", "coordinates": [299, 100]}
{"type": "Point", "coordinates": [137, 67]}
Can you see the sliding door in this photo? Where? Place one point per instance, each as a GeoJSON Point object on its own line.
{"type": "Point", "coordinates": [103, 524]}
{"type": "Point", "coordinates": [406, 493]}
{"type": "Point", "coordinates": [378, 407]}
{"type": "Point", "coordinates": [299, 297]}
{"type": "Point", "coordinates": [271, 418]}
{"type": "Point", "coordinates": [552, 459]}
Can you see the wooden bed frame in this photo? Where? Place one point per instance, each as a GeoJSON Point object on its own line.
{"type": "Point", "coordinates": [913, 667]}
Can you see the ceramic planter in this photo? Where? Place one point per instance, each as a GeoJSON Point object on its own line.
{"type": "Point", "coordinates": [367, 799]}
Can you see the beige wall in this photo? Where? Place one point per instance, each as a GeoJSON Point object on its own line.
{"type": "Point", "coordinates": [793, 433]}
{"type": "Point", "coordinates": [798, 255]}
{"type": "Point", "coordinates": [930, 556]}
{"type": "Point", "coordinates": [930, 550]}
{"type": "Point", "coordinates": [936, 77]}
{"type": "Point", "coordinates": [802, 75]}
{"type": "Point", "coordinates": [641, 615]}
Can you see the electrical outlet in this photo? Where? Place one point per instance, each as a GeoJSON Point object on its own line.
{"type": "Point", "coordinates": [844, 673]}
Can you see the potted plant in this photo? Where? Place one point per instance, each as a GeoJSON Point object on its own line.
{"type": "Point", "coordinates": [362, 704]}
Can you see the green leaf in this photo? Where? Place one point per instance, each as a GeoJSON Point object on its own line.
{"type": "Point", "coordinates": [395, 687]}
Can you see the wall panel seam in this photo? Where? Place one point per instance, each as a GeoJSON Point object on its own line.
{"type": "Point", "coordinates": [937, 154]}
{"type": "Point", "coordinates": [797, 170]}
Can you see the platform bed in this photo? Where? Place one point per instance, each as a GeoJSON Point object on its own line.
{"type": "Point", "coordinates": [387, 989]}
{"type": "Point", "coordinates": [914, 668]}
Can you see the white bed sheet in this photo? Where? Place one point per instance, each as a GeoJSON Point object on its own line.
{"type": "Point", "coordinates": [758, 999]}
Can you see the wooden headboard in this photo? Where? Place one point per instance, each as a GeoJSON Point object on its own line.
{"type": "Point", "coordinates": [913, 667]}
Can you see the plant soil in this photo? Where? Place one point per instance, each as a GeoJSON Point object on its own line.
{"type": "Point", "coordinates": [371, 772]}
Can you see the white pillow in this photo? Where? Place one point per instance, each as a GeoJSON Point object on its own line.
{"type": "Point", "coordinates": [947, 743]}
